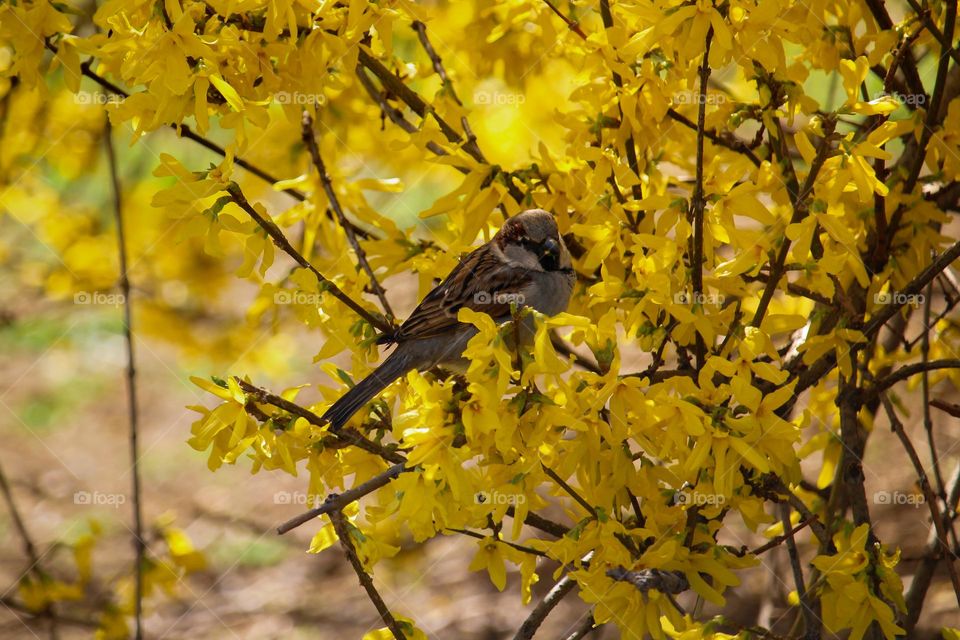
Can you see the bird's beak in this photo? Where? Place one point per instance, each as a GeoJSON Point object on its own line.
{"type": "Point", "coordinates": [550, 248]}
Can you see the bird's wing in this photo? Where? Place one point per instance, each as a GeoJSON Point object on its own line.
{"type": "Point", "coordinates": [482, 282]}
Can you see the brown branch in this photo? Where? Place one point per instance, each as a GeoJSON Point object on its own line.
{"type": "Point", "coordinates": [795, 289]}
{"type": "Point", "coordinates": [421, 30]}
{"type": "Point", "coordinates": [925, 394]}
{"type": "Point", "coordinates": [30, 550]}
{"type": "Point", "coordinates": [698, 200]}
{"type": "Point", "coordinates": [780, 539]}
{"type": "Point", "coordinates": [396, 116]}
{"type": "Point", "coordinates": [337, 501]}
{"type": "Point", "coordinates": [570, 490]}
{"type": "Point", "coordinates": [726, 140]}
{"type": "Point", "coordinates": [587, 627]}
{"type": "Point", "coordinates": [19, 607]}
{"type": "Point", "coordinates": [397, 88]}
{"type": "Point", "coordinates": [910, 70]}
{"type": "Point", "coordinates": [924, 574]}
{"type": "Point", "coordinates": [815, 372]}
{"type": "Point", "coordinates": [930, 121]}
{"type": "Point", "coordinates": [934, 30]}
{"type": "Point", "coordinates": [905, 372]}
{"type": "Point", "coordinates": [539, 522]}
{"type": "Point", "coordinates": [800, 210]}
{"type": "Point", "coordinates": [529, 627]}
{"type": "Point", "coordinates": [310, 140]}
{"type": "Point", "coordinates": [929, 496]}
{"type": "Point", "coordinates": [808, 604]}
{"type": "Point", "coordinates": [343, 532]}
{"type": "Point", "coordinates": [518, 547]}
{"type": "Point", "coordinates": [281, 241]}
{"type": "Point", "coordinates": [573, 25]}
{"type": "Point", "coordinates": [947, 407]}
{"type": "Point", "coordinates": [631, 148]}
{"type": "Point", "coordinates": [139, 545]}
{"type": "Point", "coordinates": [564, 349]}
{"type": "Point", "coordinates": [344, 437]}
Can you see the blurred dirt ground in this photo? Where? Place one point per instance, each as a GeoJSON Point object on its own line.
{"type": "Point", "coordinates": [64, 429]}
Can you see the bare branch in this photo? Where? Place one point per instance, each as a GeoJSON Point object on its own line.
{"type": "Point", "coordinates": [281, 241]}
{"type": "Point", "coordinates": [343, 532]}
{"type": "Point", "coordinates": [344, 437]}
{"type": "Point", "coordinates": [808, 604]}
{"type": "Point", "coordinates": [139, 545]}
{"type": "Point", "coordinates": [310, 140]}
{"type": "Point", "coordinates": [906, 372]}
{"type": "Point", "coordinates": [800, 210]}
{"type": "Point", "coordinates": [337, 501]}
{"type": "Point", "coordinates": [698, 200]}
{"type": "Point", "coordinates": [30, 550]}
{"type": "Point", "coordinates": [928, 494]}
{"type": "Point", "coordinates": [529, 627]}
{"type": "Point", "coordinates": [573, 25]}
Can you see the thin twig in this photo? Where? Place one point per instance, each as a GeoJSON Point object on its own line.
{"type": "Point", "coordinates": [343, 532]}
{"type": "Point", "coordinates": [800, 209]}
{"type": "Point", "coordinates": [698, 200]}
{"type": "Point", "coordinates": [344, 437]}
{"type": "Point", "coordinates": [337, 501]}
{"type": "Point", "coordinates": [281, 241]}
{"type": "Point", "coordinates": [20, 607]}
{"type": "Point", "coordinates": [931, 120]}
{"type": "Point", "coordinates": [778, 540]}
{"type": "Point", "coordinates": [564, 349]}
{"type": "Point", "coordinates": [934, 30]}
{"type": "Point", "coordinates": [810, 617]}
{"type": "Point", "coordinates": [529, 627]}
{"type": "Point", "coordinates": [726, 140]}
{"type": "Point", "coordinates": [421, 30]}
{"type": "Point", "coordinates": [573, 25]}
{"type": "Point", "coordinates": [310, 140]}
{"type": "Point", "coordinates": [928, 494]}
{"type": "Point", "coordinates": [30, 550]}
{"type": "Point", "coordinates": [907, 371]}
{"type": "Point", "coordinates": [518, 547]}
{"type": "Point", "coordinates": [570, 490]}
{"type": "Point", "coordinates": [586, 628]}
{"type": "Point", "coordinates": [139, 546]}
{"type": "Point", "coordinates": [927, 567]}
{"type": "Point", "coordinates": [631, 148]}
{"type": "Point", "coordinates": [822, 366]}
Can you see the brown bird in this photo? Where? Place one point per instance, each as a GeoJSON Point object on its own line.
{"type": "Point", "coordinates": [526, 263]}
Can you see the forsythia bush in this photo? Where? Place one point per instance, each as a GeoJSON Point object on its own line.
{"type": "Point", "coordinates": [756, 195]}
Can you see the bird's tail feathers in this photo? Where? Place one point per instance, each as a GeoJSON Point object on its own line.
{"type": "Point", "coordinates": [351, 402]}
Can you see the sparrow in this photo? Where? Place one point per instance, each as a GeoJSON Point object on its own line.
{"type": "Point", "coordinates": [525, 263]}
